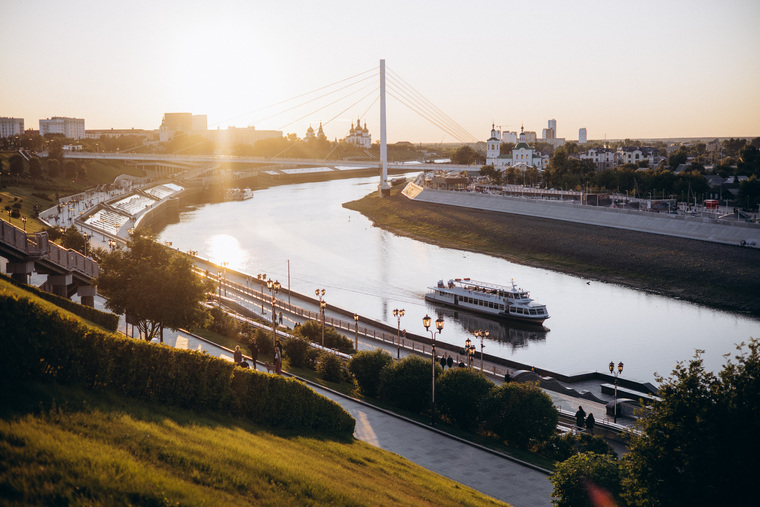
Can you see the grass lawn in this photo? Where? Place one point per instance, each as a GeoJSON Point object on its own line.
{"type": "Point", "coordinates": [716, 275]}
{"type": "Point", "coordinates": [61, 445]}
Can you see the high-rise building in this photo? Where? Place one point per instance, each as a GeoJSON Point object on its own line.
{"type": "Point", "coordinates": [10, 127]}
{"type": "Point", "coordinates": [72, 128]}
{"type": "Point", "coordinates": [582, 136]}
{"type": "Point", "coordinates": [553, 127]}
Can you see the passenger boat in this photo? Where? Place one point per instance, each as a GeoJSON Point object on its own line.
{"type": "Point", "coordinates": [238, 194]}
{"type": "Point", "coordinates": [489, 299]}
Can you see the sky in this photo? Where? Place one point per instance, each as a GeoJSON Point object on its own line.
{"type": "Point", "coordinates": [621, 69]}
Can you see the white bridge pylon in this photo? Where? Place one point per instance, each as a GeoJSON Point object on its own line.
{"type": "Point", "coordinates": [384, 189]}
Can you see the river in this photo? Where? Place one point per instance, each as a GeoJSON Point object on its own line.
{"type": "Point", "coordinates": [303, 230]}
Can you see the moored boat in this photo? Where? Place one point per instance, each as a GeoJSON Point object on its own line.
{"type": "Point", "coordinates": [238, 194]}
{"type": "Point", "coordinates": [489, 299]}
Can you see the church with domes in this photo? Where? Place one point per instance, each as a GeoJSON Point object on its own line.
{"type": "Point", "coordinates": [522, 157]}
{"type": "Point", "coordinates": [359, 135]}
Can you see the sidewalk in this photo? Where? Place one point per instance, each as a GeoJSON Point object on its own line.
{"type": "Point", "coordinates": [489, 473]}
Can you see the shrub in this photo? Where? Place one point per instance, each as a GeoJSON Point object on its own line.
{"type": "Point", "coordinates": [221, 322]}
{"type": "Point", "coordinates": [297, 351]}
{"type": "Point", "coordinates": [562, 447]}
{"type": "Point", "coordinates": [586, 480]}
{"type": "Point", "coordinates": [39, 343]}
{"type": "Point", "coordinates": [330, 367]}
{"type": "Point", "coordinates": [520, 413]}
{"type": "Point", "coordinates": [408, 383]}
{"type": "Point", "coordinates": [312, 331]}
{"type": "Point", "coordinates": [460, 393]}
{"type": "Point", "coordinates": [366, 366]}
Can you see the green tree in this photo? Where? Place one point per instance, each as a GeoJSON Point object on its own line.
{"type": "Point", "coordinates": [408, 383]}
{"type": "Point", "coordinates": [35, 168]}
{"type": "Point", "coordinates": [749, 192]}
{"type": "Point", "coordinates": [520, 413]}
{"type": "Point", "coordinates": [699, 445]}
{"type": "Point", "coordinates": [17, 164]}
{"type": "Point", "coordinates": [467, 156]}
{"type": "Point", "coordinates": [74, 240]}
{"type": "Point", "coordinates": [152, 284]}
{"type": "Point", "coordinates": [587, 480]}
{"type": "Point", "coordinates": [53, 167]}
{"type": "Point", "coordinates": [70, 169]}
{"type": "Point", "coordinates": [460, 395]}
{"type": "Point", "coordinates": [312, 331]}
{"type": "Point", "coordinates": [297, 351]}
{"type": "Point", "coordinates": [366, 366]}
{"type": "Point", "coordinates": [330, 367]}
{"type": "Point", "coordinates": [82, 171]}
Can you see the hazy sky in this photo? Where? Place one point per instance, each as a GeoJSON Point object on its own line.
{"type": "Point", "coordinates": [621, 69]}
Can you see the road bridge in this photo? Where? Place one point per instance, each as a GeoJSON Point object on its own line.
{"type": "Point", "coordinates": [68, 271]}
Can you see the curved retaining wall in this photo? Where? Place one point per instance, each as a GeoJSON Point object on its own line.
{"type": "Point", "coordinates": [705, 229]}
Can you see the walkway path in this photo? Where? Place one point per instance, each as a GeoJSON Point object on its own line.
{"type": "Point", "coordinates": [492, 474]}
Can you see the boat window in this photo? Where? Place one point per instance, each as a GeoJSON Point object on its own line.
{"type": "Point", "coordinates": [532, 311]}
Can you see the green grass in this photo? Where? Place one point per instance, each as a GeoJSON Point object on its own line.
{"type": "Point", "coordinates": [61, 445]}
{"type": "Point", "coordinates": [712, 274]}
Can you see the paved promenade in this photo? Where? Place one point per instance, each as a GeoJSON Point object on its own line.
{"type": "Point", "coordinates": [484, 471]}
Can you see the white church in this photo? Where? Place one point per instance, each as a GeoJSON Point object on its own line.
{"type": "Point", "coordinates": [522, 156]}
{"type": "Point", "coordinates": [359, 136]}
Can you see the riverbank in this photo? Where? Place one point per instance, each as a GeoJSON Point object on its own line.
{"type": "Point", "coordinates": [718, 276]}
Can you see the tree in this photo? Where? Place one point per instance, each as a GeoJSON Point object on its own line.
{"type": "Point", "coordinates": [70, 169]}
{"type": "Point", "coordinates": [17, 165]}
{"type": "Point", "coordinates": [520, 413]}
{"type": "Point", "coordinates": [74, 240]}
{"type": "Point", "coordinates": [366, 366]}
{"type": "Point", "coordinates": [152, 284]}
{"type": "Point", "coordinates": [53, 167]}
{"type": "Point", "coordinates": [82, 171]}
{"type": "Point", "coordinates": [699, 445]}
{"type": "Point", "coordinates": [35, 168]}
{"type": "Point", "coordinates": [749, 192]}
{"type": "Point", "coordinates": [587, 479]}
{"type": "Point", "coordinates": [408, 383]}
{"type": "Point", "coordinates": [312, 331]}
{"type": "Point", "coordinates": [466, 155]}
{"type": "Point", "coordinates": [461, 393]}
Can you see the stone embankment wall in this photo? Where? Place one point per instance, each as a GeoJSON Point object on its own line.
{"type": "Point", "coordinates": [705, 229]}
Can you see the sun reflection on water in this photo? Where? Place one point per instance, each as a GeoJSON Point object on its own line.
{"type": "Point", "coordinates": [226, 248]}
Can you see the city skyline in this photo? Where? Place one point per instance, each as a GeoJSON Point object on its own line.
{"type": "Point", "coordinates": [621, 70]}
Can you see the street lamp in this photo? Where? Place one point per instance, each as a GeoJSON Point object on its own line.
{"type": "Point", "coordinates": [23, 220]}
{"type": "Point", "coordinates": [320, 293]}
{"type": "Point", "coordinates": [356, 330]}
{"type": "Point", "coordinates": [274, 287]}
{"type": "Point", "coordinates": [112, 244]}
{"type": "Point", "coordinates": [439, 326]}
{"type": "Point", "coordinates": [86, 240]}
{"type": "Point", "coordinates": [481, 334]}
{"type": "Point", "coordinates": [398, 314]}
{"type": "Point", "coordinates": [615, 374]}
{"type": "Point", "coordinates": [224, 264]}
{"type": "Point", "coordinates": [469, 351]}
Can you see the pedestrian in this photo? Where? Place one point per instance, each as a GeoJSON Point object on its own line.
{"type": "Point", "coordinates": [580, 417]}
{"type": "Point", "coordinates": [590, 422]}
{"type": "Point", "coordinates": [238, 356]}
{"type": "Point", "coordinates": [254, 348]}
{"type": "Point", "coordinates": [277, 361]}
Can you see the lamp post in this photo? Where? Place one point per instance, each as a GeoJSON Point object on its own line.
{"type": "Point", "coordinates": [356, 331]}
{"type": "Point", "coordinates": [439, 326]}
{"type": "Point", "coordinates": [320, 293]}
{"type": "Point", "coordinates": [615, 374]}
{"type": "Point", "coordinates": [469, 351]}
{"type": "Point", "coordinates": [481, 334]}
{"type": "Point", "coordinates": [263, 278]}
{"type": "Point", "coordinates": [23, 220]}
{"type": "Point", "coordinates": [398, 314]}
{"type": "Point", "coordinates": [86, 240]}
{"type": "Point", "coordinates": [111, 244]}
{"type": "Point", "coordinates": [274, 287]}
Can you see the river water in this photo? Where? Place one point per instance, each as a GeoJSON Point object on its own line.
{"type": "Point", "coordinates": [366, 270]}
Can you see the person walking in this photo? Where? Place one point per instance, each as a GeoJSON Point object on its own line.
{"type": "Point", "coordinates": [277, 361]}
{"type": "Point", "coordinates": [238, 355]}
{"type": "Point", "coordinates": [580, 417]}
{"type": "Point", "coordinates": [590, 422]}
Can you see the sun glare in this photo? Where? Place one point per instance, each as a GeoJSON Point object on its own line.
{"type": "Point", "coordinates": [225, 248]}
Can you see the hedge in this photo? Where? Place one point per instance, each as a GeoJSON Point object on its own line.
{"type": "Point", "coordinates": [40, 343]}
{"type": "Point", "coordinates": [107, 320]}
